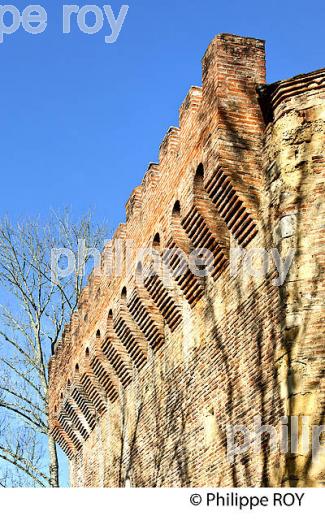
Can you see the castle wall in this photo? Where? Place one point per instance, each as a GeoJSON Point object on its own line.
{"type": "Point", "coordinates": [151, 371]}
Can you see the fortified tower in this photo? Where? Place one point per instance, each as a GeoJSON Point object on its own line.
{"type": "Point", "coordinates": [159, 363]}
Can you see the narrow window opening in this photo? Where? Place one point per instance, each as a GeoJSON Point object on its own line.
{"type": "Point", "coordinates": [199, 181]}
{"type": "Point", "coordinates": [177, 209]}
{"type": "Point", "coordinates": [156, 241]}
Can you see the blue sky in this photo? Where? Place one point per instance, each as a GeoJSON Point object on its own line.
{"type": "Point", "coordinates": [81, 119]}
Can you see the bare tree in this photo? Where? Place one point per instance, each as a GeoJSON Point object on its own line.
{"type": "Point", "coordinates": [37, 307]}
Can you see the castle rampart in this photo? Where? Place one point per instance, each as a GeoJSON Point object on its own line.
{"type": "Point", "coordinates": [153, 369]}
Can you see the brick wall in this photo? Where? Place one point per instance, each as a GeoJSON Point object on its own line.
{"type": "Point", "coordinates": [150, 372]}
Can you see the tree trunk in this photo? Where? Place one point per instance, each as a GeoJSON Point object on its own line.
{"type": "Point", "coordinates": [54, 464]}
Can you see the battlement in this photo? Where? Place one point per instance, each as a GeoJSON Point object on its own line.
{"type": "Point", "coordinates": [208, 191]}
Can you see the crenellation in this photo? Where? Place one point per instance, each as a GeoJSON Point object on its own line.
{"type": "Point", "coordinates": [134, 203]}
{"type": "Point", "coordinates": [189, 114]}
{"type": "Point", "coordinates": [75, 324]}
{"type": "Point", "coordinates": [169, 146]}
{"type": "Point", "coordinates": [151, 179]}
{"type": "Point", "coordinates": [83, 304]}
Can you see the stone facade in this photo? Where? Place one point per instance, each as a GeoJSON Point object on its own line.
{"type": "Point", "coordinates": [151, 373]}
